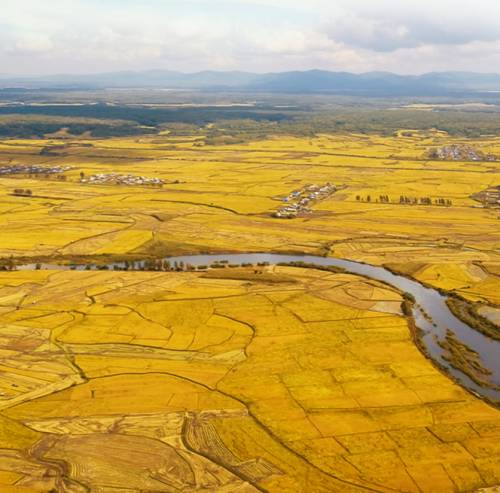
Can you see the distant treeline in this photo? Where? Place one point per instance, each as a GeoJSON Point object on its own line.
{"type": "Point", "coordinates": [152, 116]}
{"type": "Point", "coordinates": [387, 122]}
{"type": "Point", "coordinates": [25, 126]}
{"type": "Point", "coordinates": [27, 130]}
{"type": "Point", "coordinates": [230, 124]}
{"type": "Point", "coordinates": [358, 121]}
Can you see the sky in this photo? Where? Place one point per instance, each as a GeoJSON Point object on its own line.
{"type": "Point", "coordinates": [93, 36]}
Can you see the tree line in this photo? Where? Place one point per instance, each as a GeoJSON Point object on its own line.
{"type": "Point", "coordinates": [154, 265]}
{"type": "Point", "coordinates": [22, 192]}
{"type": "Point", "coordinates": [403, 199]}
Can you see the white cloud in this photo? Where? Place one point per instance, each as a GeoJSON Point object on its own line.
{"type": "Point", "coordinates": [273, 35]}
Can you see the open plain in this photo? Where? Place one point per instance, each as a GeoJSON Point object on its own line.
{"type": "Point", "coordinates": [194, 197]}
{"type": "Point", "coordinates": [274, 378]}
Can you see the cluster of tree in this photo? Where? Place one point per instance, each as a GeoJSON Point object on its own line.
{"type": "Point", "coordinates": [406, 200]}
{"type": "Point", "coordinates": [306, 265]}
{"type": "Point", "coordinates": [217, 265]}
{"type": "Point", "coordinates": [53, 151]}
{"type": "Point", "coordinates": [441, 201]}
{"type": "Point", "coordinates": [283, 216]}
{"type": "Point", "coordinates": [424, 200]}
{"type": "Point", "coordinates": [24, 193]}
{"type": "Point", "coordinates": [9, 264]}
{"type": "Point", "coordinates": [45, 175]}
{"type": "Point", "coordinates": [158, 265]}
{"type": "Point", "coordinates": [368, 198]}
{"type": "Point", "coordinates": [407, 304]}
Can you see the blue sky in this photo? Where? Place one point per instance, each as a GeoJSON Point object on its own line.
{"type": "Point", "coordinates": [404, 36]}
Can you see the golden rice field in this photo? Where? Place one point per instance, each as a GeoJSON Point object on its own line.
{"type": "Point", "coordinates": [290, 381]}
{"type": "Point", "coordinates": [166, 382]}
{"type": "Point", "coordinates": [221, 198]}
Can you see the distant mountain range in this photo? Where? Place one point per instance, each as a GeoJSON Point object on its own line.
{"type": "Point", "coordinates": [292, 82]}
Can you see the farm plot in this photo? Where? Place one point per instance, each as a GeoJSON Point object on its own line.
{"type": "Point", "coordinates": [222, 197]}
{"type": "Point", "coordinates": [300, 381]}
{"type": "Point", "coordinates": [311, 384]}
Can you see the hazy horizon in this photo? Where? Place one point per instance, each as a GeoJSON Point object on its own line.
{"type": "Point", "coordinates": [186, 72]}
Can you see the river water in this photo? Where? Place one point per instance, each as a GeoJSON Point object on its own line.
{"type": "Point", "coordinates": [429, 299]}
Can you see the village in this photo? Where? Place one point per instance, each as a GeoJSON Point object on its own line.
{"type": "Point", "coordinates": [304, 198]}
{"type": "Point", "coordinates": [462, 153]}
{"type": "Point", "coordinates": [488, 198]}
{"type": "Point", "coordinates": [127, 180]}
{"type": "Point", "coordinates": [33, 169]}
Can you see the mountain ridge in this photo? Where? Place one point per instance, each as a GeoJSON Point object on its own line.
{"type": "Point", "coordinates": [294, 81]}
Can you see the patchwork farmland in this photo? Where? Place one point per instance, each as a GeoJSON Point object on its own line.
{"type": "Point", "coordinates": [236, 378]}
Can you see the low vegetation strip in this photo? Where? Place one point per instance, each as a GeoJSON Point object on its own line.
{"type": "Point", "coordinates": [306, 265]}
{"type": "Point", "coordinates": [248, 275]}
{"type": "Point", "coordinates": [468, 313]}
{"type": "Point", "coordinates": [465, 359]}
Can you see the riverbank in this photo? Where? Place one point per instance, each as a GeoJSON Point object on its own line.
{"type": "Point", "coordinates": [431, 314]}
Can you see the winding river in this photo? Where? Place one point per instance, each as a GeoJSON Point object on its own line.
{"type": "Point", "coordinates": [429, 299]}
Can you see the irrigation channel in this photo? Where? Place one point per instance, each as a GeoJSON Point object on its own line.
{"type": "Point", "coordinates": [429, 299]}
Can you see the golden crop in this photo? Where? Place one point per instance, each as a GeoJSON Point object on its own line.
{"type": "Point", "coordinates": [309, 385]}
{"type": "Point", "coordinates": [221, 198]}
{"type": "Point", "coordinates": [294, 380]}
